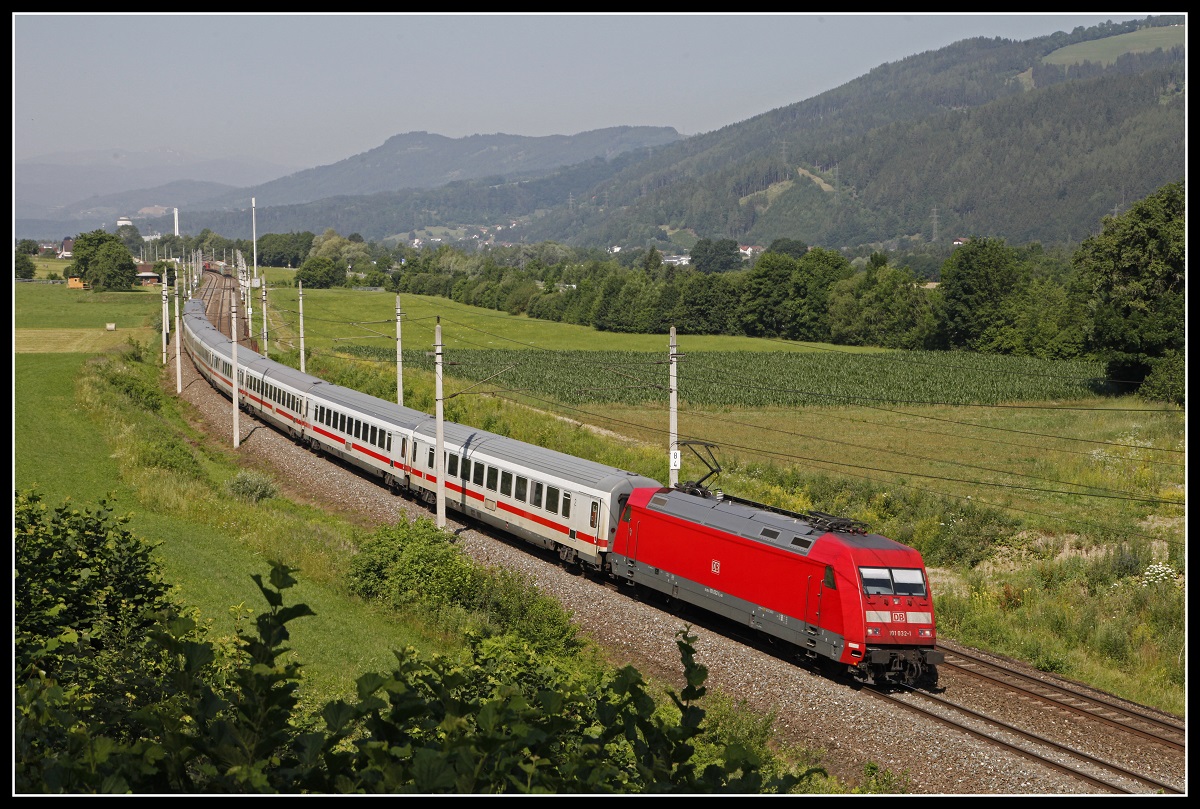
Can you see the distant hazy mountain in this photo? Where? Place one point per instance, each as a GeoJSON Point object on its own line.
{"type": "Point", "coordinates": [100, 186]}
{"type": "Point", "coordinates": [420, 160]}
{"type": "Point", "coordinates": [59, 185]}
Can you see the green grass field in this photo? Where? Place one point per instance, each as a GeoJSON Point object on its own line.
{"type": "Point", "coordinates": [1061, 499]}
{"type": "Point", "coordinates": [65, 449]}
{"type": "Point", "coordinates": [1108, 49]}
{"type": "Point", "coordinates": [50, 318]}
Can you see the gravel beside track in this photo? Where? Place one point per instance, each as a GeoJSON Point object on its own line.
{"type": "Point", "coordinates": [846, 728]}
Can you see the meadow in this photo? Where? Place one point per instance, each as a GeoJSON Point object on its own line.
{"type": "Point", "coordinates": [1046, 505]}
{"type": "Point", "coordinates": [1042, 509]}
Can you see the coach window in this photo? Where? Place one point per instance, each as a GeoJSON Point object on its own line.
{"type": "Point", "coordinates": [466, 470]}
{"type": "Point", "coordinates": [506, 484]}
{"type": "Point", "coordinates": [429, 459]}
{"type": "Point", "coordinates": [535, 495]}
{"type": "Point", "coordinates": [452, 466]}
{"type": "Point", "coordinates": [492, 474]}
{"type": "Point", "coordinates": [552, 499]}
{"type": "Point", "coordinates": [566, 512]}
{"type": "Point", "coordinates": [342, 421]}
{"type": "Point", "coordinates": [522, 487]}
{"type": "Point", "coordinates": [374, 439]}
{"type": "Point", "coordinates": [478, 474]}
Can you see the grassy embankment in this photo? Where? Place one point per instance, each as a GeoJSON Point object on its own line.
{"type": "Point", "coordinates": [74, 439]}
{"type": "Point", "coordinates": [1033, 572]}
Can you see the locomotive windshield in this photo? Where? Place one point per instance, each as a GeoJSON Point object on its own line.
{"type": "Point", "coordinates": [897, 581]}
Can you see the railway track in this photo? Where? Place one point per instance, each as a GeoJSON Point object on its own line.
{"type": "Point", "coordinates": [1105, 709]}
{"type": "Point", "coordinates": [1105, 775]}
{"type": "Point", "coordinates": [218, 291]}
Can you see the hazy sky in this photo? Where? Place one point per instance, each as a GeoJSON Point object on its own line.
{"type": "Point", "coordinates": [308, 90]}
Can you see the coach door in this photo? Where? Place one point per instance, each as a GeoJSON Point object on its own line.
{"type": "Point", "coordinates": [591, 511]}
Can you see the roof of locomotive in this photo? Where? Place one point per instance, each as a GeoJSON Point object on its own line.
{"type": "Point", "coordinates": [472, 441]}
{"type": "Point", "coordinates": [790, 532]}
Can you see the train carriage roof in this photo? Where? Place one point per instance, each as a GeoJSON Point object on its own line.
{"type": "Point", "coordinates": [473, 441]}
{"type": "Point", "coordinates": [476, 443]}
{"type": "Point", "coordinates": [791, 532]}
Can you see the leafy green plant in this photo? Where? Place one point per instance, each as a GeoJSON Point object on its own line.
{"type": "Point", "coordinates": [504, 719]}
{"type": "Point", "coordinates": [251, 486]}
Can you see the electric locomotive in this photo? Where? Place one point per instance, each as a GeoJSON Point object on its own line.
{"type": "Point", "coordinates": [817, 582]}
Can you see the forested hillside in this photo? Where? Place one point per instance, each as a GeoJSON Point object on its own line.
{"type": "Point", "coordinates": [986, 137]}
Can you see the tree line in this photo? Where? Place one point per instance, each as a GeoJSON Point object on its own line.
{"type": "Point", "coordinates": [1119, 296]}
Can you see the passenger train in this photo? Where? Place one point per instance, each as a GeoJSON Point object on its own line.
{"type": "Point", "coordinates": [818, 583]}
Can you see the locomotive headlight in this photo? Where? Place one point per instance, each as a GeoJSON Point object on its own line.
{"type": "Point", "coordinates": [872, 630]}
{"type": "Point", "coordinates": [925, 633]}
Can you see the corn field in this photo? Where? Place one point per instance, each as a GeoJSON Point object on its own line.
{"type": "Point", "coordinates": [765, 379]}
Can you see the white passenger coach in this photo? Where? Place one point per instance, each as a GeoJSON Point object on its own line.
{"type": "Point", "coordinates": [548, 498]}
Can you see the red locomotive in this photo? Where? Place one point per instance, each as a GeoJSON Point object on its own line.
{"type": "Point", "coordinates": [818, 582]}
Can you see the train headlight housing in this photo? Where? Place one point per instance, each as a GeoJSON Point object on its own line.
{"type": "Point", "coordinates": [925, 632]}
{"type": "Point", "coordinates": [872, 630]}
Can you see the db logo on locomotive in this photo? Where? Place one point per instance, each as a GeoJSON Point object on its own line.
{"type": "Point", "coordinates": [899, 617]}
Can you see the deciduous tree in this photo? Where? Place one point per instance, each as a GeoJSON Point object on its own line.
{"type": "Point", "coordinates": [1135, 268]}
{"type": "Point", "coordinates": [23, 265]}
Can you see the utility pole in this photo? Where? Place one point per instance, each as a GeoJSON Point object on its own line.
{"type": "Point", "coordinates": [178, 340]}
{"type": "Point", "coordinates": [233, 382]}
{"type": "Point", "coordinates": [300, 285]}
{"type": "Point", "coordinates": [166, 313]}
{"type": "Point", "coordinates": [399, 359]}
{"type": "Point", "coordinates": [675, 460]}
{"type": "Point", "coordinates": [439, 462]}
{"type": "Point", "coordinates": [265, 345]}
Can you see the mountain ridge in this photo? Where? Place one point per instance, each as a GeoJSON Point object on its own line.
{"type": "Point", "coordinates": [970, 137]}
